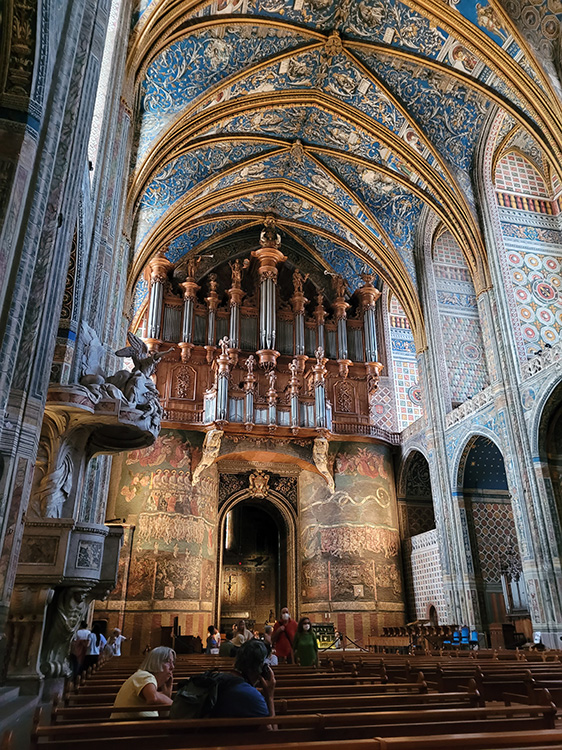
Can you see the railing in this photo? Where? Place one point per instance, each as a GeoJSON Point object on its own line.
{"type": "Point", "coordinates": [546, 358]}
{"type": "Point", "coordinates": [354, 428]}
{"type": "Point", "coordinates": [469, 407]}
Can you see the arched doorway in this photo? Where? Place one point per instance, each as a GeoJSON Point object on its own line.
{"type": "Point", "coordinates": [257, 566]}
{"type": "Point", "coordinates": [491, 526]}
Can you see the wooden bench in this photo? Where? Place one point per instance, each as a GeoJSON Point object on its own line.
{"type": "Point", "coordinates": [167, 733]}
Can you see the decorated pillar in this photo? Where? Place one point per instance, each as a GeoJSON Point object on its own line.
{"type": "Point", "coordinates": [320, 373]}
{"type": "Point", "coordinates": [223, 370]}
{"type": "Point", "coordinates": [368, 297]}
{"type": "Point", "coordinates": [268, 256]}
{"type": "Point", "coordinates": [340, 312]}
{"type": "Point", "coordinates": [235, 296]}
{"type": "Point", "coordinates": [320, 316]}
{"type": "Point", "coordinates": [249, 390]}
{"type": "Point", "coordinates": [190, 289]}
{"type": "Point", "coordinates": [159, 266]}
{"type": "Point", "coordinates": [298, 301]}
{"type": "Point", "coordinates": [212, 301]}
{"type": "Point", "coordinates": [294, 394]}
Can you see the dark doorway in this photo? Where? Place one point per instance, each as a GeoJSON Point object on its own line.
{"type": "Point", "coordinates": [254, 563]}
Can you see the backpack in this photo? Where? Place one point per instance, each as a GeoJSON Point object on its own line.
{"type": "Point", "coordinates": [196, 698]}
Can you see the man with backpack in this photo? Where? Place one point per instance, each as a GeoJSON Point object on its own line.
{"type": "Point", "coordinates": [225, 695]}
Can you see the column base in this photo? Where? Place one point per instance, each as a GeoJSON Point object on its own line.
{"type": "Point", "coordinates": [186, 348]}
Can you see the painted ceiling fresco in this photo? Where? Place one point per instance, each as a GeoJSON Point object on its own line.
{"type": "Point", "coordinates": [344, 118]}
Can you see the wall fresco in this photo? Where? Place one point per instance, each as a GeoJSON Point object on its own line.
{"type": "Point", "coordinates": [174, 543]}
{"type": "Point", "coordinates": [349, 538]}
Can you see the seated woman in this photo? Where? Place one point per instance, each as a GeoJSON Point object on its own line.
{"type": "Point", "coordinates": [151, 684]}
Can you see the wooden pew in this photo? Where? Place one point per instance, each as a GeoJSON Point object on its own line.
{"type": "Point", "coordinates": [165, 734]}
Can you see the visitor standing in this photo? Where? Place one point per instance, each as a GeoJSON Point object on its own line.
{"type": "Point", "coordinates": [305, 645]}
{"type": "Point", "coordinates": [284, 632]}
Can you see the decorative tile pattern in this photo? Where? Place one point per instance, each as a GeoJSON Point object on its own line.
{"type": "Point", "coordinates": [516, 174]}
{"type": "Point", "coordinates": [460, 325]}
{"type": "Point", "coordinates": [424, 576]}
{"type": "Point", "coordinates": [494, 529]}
{"type": "Point", "coordinates": [405, 367]}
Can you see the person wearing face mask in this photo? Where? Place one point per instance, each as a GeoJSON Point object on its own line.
{"type": "Point", "coordinates": [305, 644]}
{"type": "Point", "coordinates": [284, 632]}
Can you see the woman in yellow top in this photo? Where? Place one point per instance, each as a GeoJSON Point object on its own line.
{"type": "Point", "coordinates": [305, 645]}
{"type": "Point", "coordinates": [151, 685]}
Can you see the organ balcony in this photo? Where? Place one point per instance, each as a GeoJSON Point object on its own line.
{"type": "Point", "coordinates": [303, 360]}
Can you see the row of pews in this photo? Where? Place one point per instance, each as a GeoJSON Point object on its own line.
{"type": "Point", "coordinates": [364, 703]}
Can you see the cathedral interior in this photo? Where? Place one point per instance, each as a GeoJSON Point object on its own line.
{"type": "Point", "coordinates": [281, 318]}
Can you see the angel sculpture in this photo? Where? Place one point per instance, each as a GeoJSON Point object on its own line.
{"type": "Point", "coordinates": [144, 361]}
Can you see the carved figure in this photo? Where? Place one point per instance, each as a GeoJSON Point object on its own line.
{"type": "Point", "coordinates": [143, 360]}
{"type": "Point", "coordinates": [319, 354]}
{"type": "Point", "coordinates": [192, 266]}
{"type": "Point", "coordinates": [272, 378]}
{"type": "Point", "coordinates": [92, 356]}
{"type": "Point", "coordinates": [225, 345]}
{"type": "Point", "coordinates": [212, 282]}
{"type": "Point", "coordinates": [54, 488]}
{"type": "Point", "coordinates": [250, 364]}
{"type": "Point", "coordinates": [63, 617]}
{"type": "Point", "coordinates": [320, 457]}
{"type": "Point", "coordinates": [269, 236]}
{"type": "Point", "coordinates": [236, 269]}
{"type": "Point", "coordinates": [299, 280]}
{"type": "Point", "coordinates": [259, 484]}
{"type": "Point", "coordinates": [211, 450]}
{"type": "Point", "coordinates": [293, 368]}
{"type": "Point", "coordinates": [340, 285]}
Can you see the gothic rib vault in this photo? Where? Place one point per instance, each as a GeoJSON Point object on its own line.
{"type": "Point", "coordinates": [346, 120]}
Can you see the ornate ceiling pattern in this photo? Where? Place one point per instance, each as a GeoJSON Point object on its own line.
{"type": "Point", "coordinates": [344, 119]}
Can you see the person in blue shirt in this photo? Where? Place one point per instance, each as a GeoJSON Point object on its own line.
{"type": "Point", "coordinates": [240, 698]}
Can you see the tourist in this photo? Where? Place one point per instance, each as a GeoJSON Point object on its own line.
{"type": "Point", "coordinates": [305, 645]}
{"type": "Point", "coordinates": [150, 685]}
{"type": "Point", "coordinates": [78, 649]}
{"type": "Point", "coordinates": [284, 631]}
{"type": "Point", "coordinates": [242, 634]}
{"type": "Point", "coordinates": [213, 640]}
{"type": "Point", "coordinates": [240, 698]}
{"type": "Point", "coordinates": [96, 644]}
{"type": "Point", "coordinates": [113, 647]}
{"type": "Point", "coordinates": [227, 648]}
{"type": "Point", "coordinates": [268, 632]}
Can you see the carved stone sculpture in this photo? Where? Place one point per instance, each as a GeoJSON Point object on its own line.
{"type": "Point", "coordinates": [211, 450]}
{"type": "Point", "coordinates": [320, 456]}
{"type": "Point", "coordinates": [258, 484]}
{"type": "Point", "coordinates": [65, 612]}
{"type": "Point", "coordinates": [144, 361]}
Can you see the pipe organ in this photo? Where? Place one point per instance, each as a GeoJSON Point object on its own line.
{"type": "Point", "coordinates": [261, 353]}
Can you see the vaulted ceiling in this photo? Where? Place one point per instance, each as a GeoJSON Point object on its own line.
{"type": "Point", "coordinates": [347, 120]}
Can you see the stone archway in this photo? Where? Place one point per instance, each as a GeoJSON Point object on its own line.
{"type": "Point", "coordinates": [281, 506]}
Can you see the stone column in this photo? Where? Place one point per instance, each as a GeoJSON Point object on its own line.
{"type": "Point", "coordinates": [159, 266]}
{"type": "Point", "coordinates": [268, 256]}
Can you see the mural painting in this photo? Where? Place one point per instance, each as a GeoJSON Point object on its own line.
{"type": "Point", "coordinates": [174, 542]}
{"type": "Point", "coordinates": [350, 540]}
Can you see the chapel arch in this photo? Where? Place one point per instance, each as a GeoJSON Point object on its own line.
{"type": "Point", "coordinates": [247, 549]}
{"type": "Point", "coordinates": [549, 444]}
{"type": "Point", "coordinates": [491, 546]}
{"type": "Point", "coordinates": [415, 500]}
